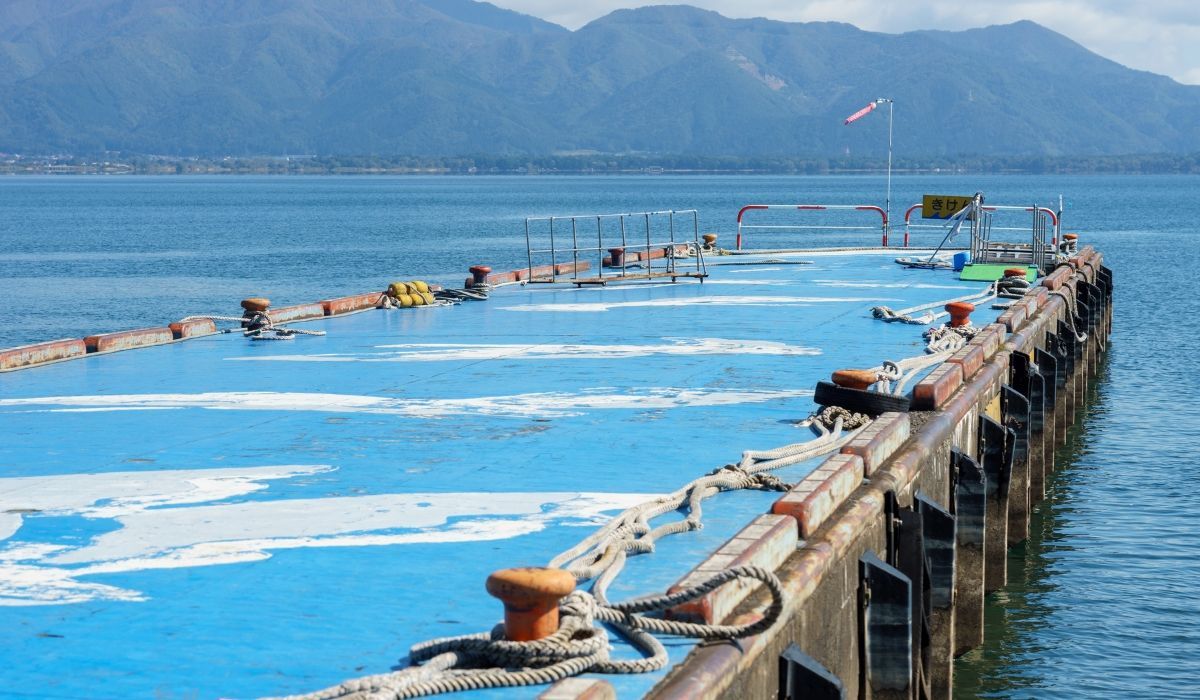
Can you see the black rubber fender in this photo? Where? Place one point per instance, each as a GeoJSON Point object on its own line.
{"type": "Point", "coordinates": [871, 403]}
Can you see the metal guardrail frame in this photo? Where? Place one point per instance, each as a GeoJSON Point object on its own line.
{"type": "Point", "coordinates": [1035, 252]}
{"type": "Point", "coordinates": [577, 252]}
{"type": "Point", "coordinates": [811, 207]}
{"type": "Point", "coordinates": [1046, 213]}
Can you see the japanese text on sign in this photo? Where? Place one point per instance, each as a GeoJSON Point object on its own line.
{"type": "Point", "coordinates": [942, 206]}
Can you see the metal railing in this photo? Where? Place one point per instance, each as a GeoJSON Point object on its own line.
{"type": "Point", "coordinates": [1038, 251]}
{"type": "Point", "coordinates": [742, 226]}
{"type": "Point", "coordinates": [640, 245]}
{"type": "Point", "coordinates": [1046, 213]}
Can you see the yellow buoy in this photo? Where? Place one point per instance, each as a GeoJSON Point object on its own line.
{"type": "Point", "coordinates": [419, 286]}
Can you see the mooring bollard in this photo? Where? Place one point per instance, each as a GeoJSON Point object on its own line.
{"type": "Point", "coordinates": [255, 314]}
{"type": "Point", "coordinates": [530, 596]}
{"type": "Point", "coordinates": [479, 274]}
{"type": "Point", "coordinates": [854, 378]}
{"type": "Point", "coordinates": [960, 313]}
{"type": "Point", "coordinates": [256, 304]}
{"type": "Point", "coordinates": [617, 258]}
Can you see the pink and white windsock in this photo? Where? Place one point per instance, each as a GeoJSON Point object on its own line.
{"type": "Point", "coordinates": [861, 113]}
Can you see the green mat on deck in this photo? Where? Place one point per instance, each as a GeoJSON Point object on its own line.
{"type": "Point", "coordinates": [990, 272]}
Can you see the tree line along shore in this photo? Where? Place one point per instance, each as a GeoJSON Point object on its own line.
{"type": "Point", "coordinates": [597, 164]}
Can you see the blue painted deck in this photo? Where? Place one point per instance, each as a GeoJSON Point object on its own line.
{"type": "Point", "coordinates": [226, 518]}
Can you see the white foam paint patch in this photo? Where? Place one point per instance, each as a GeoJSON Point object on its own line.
{"type": "Point", "coordinates": [848, 253]}
{"type": "Point", "coordinates": [111, 494]}
{"type": "Point", "coordinates": [591, 307]}
{"type": "Point", "coordinates": [662, 285]}
{"type": "Point", "coordinates": [161, 527]}
{"type": "Point", "coordinates": [446, 352]}
{"type": "Point", "coordinates": [25, 585]}
{"type": "Point", "coordinates": [845, 284]}
{"type": "Point", "coordinates": [738, 283]}
{"type": "Point", "coordinates": [248, 528]}
{"type": "Point", "coordinates": [10, 521]}
{"type": "Point", "coordinates": [536, 405]}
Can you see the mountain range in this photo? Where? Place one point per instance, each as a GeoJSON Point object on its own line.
{"type": "Point", "coordinates": [453, 77]}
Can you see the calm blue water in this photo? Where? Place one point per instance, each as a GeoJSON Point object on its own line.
{"type": "Point", "coordinates": [1103, 601]}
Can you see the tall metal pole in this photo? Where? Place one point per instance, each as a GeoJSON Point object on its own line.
{"type": "Point", "coordinates": [888, 196]}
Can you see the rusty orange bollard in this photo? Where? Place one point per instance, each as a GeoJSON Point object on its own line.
{"type": "Point", "coordinates": [479, 274]}
{"type": "Point", "coordinates": [530, 595]}
{"type": "Point", "coordinates": [854, 378]}
{"type": "Point", "coordinates": [1015, 272]}
{"type": "Point", "coordinates": [256, 304]}
{"type": "Point", "coordinates": [1070, 236]}
{"type": "Point", "coordinates": [960, 313]}
{"type": "Point", "coordinates": [617, 258]}
{"type": "Point", "coordinates": [710, 239]}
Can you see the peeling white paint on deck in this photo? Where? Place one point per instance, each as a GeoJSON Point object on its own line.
{"type": "Point", "coordinates": [869, 284]}
{"type": "Point", "coordinates": [600, 306]}
{"type": "Point", "coordinates": [536, 405]}
{"type": "Point", "coordinates": [107, 495]}
{"type": "Point", "coordinates": [446, 352]}
{"type": "Point", "coordinates": [162, 527]}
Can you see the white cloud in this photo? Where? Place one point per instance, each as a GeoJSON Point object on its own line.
{"type": "Point", "coordinates": [1162, 36]}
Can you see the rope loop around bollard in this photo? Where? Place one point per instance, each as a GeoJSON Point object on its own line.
{"type": "Point", "coordinates": [255, 326]}
{"type": "Point", "coordinates": [888, 315]}
{"type": "Point", "coordinates": [487, 660]}
{"type": "Point", "coordinates": [581, 644]}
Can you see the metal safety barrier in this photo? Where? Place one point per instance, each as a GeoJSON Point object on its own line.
{"type": "Point", "coordinates": [639, 246]}
{"type": "Point", "coordinates": [1038, 251]}
{"type": "Point", "coordinates": [811, 207]}
{"type": "Point", "coordinates": [1051, 219]}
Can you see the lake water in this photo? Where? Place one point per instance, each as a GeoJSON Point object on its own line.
{"type": "Point", "coordinates": [1102, 600]}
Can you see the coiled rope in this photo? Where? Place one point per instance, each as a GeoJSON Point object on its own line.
{"type": "Point", "coordinates": [476, 293]}
{"type": "Point", "coordinates": [829, 416]}
{"type": "Point", "coordinates": [488, 660]}
{"type": "Point", "coordinates": [947, 339]}
{"type": "Point", "coordinates": [1012, 287]}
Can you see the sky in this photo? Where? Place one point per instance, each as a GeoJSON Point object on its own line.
{"type": "Point", "coordinates": [1161, 36]}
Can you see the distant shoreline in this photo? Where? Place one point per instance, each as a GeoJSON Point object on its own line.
{"type": "Point", "coordinates": [597, 164]}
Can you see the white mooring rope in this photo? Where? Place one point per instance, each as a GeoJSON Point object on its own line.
{"type": "Point", "coordinates": [488, 660]}
{"type": "Point", "coordinates": [887, 315]}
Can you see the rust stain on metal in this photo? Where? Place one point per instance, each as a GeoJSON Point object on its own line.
{"type": "Point", "coordinates": [127, 340]}
{"type": "Point", "coordinates": [41, 353]}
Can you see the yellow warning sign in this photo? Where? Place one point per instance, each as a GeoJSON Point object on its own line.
{"type": "Point", "coordinates": [942, 206]}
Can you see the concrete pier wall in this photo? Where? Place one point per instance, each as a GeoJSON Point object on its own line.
{"type": "Point", "coordinates": [978, 458]}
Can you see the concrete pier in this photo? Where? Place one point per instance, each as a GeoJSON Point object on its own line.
{"type": "Point", "coordinates": [980, 453]}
